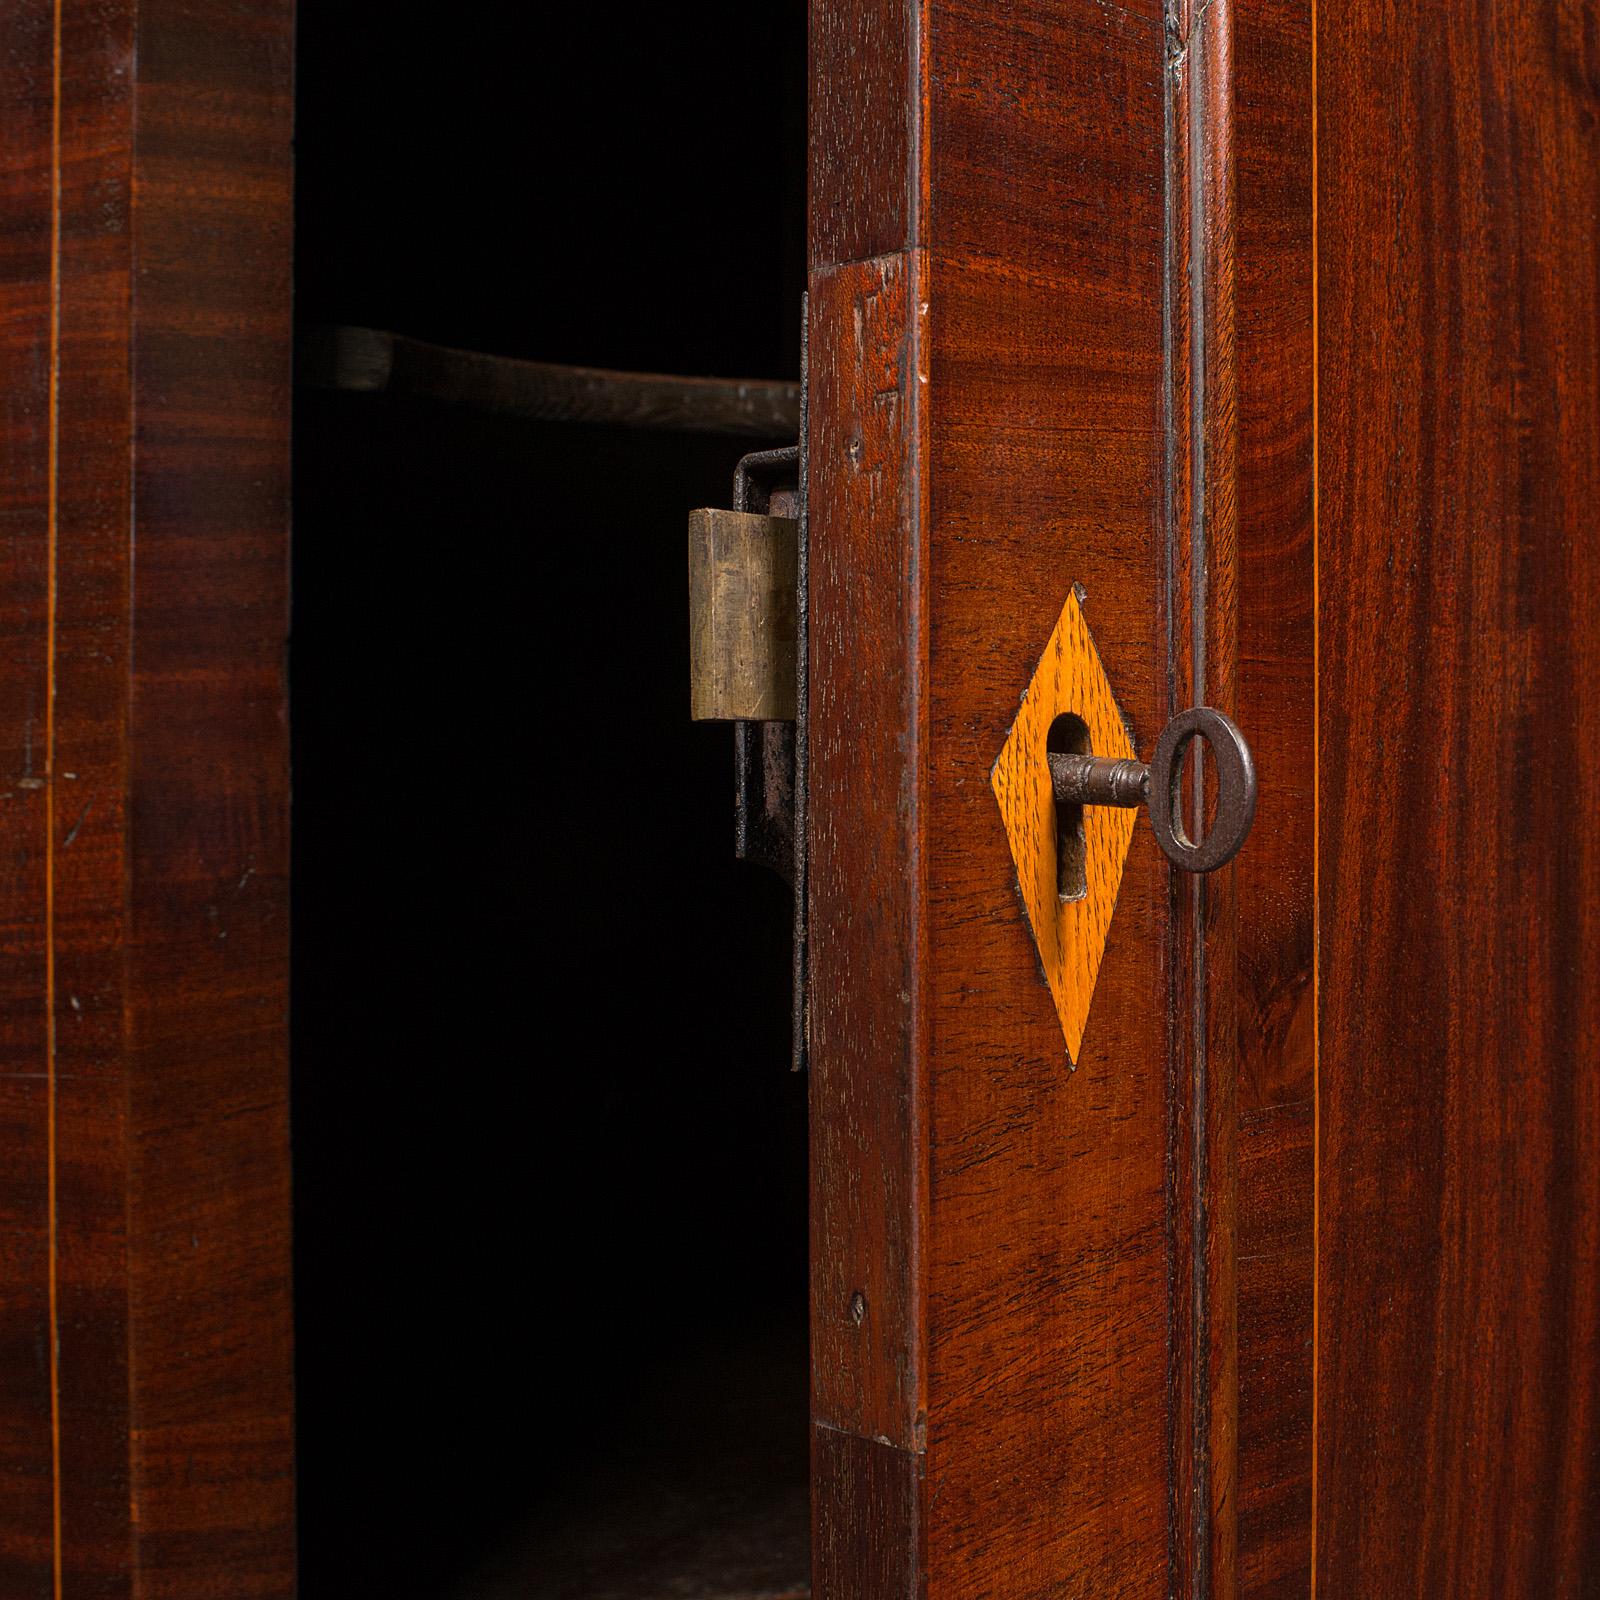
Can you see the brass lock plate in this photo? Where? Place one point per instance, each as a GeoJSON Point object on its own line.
{"type": "Point", "coordinates": [743, 574]}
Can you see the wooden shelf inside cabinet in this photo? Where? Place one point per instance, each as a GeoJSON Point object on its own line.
{"type": "Point", "coordinates": [371, 361]}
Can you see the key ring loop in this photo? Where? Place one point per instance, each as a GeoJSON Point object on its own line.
{"type": "Point", "coordinates": [1236, 790]}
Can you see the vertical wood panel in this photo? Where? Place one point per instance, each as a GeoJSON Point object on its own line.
{"type": "Point", "coordinates": [867, 1507]}
{"type": "Point", "coordinates": [1019, 1218]}
{"type": "Point", "coordinates": [1048, 1316]}
{"type": "Point", "coordinates": [1459, 549]}
{"type": "Point", "coordinates": [91, 848]}
{"type": "Point", "coordinates": [209, 1290]}
{"type": "Point", "coordinates": [865, 849]}
{"type": "Point", "coordinates": [146, 719]}
{"type": "Point", "coordinates": [26, 1449]}
{"type": "Point", "coordinates": [865, 123]}
{"type": "Point", "coordinates": [1201, 538]}
{"type": "Point", "coordinates": [1272, 116]}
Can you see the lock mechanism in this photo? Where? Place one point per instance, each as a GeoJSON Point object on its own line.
{"type": "Point", "coordinates": [1088, 780]}
{"type": "Point", "coordinates": [743, 608]}
{"type": "Point", "coordinates": [747, 619]}
{"type": "Point", "coordinates": [746, 613]}
{"type": "Point", "coordinates": [1067, 780]}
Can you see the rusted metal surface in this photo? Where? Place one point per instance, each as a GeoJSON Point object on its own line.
{"type": "Point", "coordinates": [764, 779]}
{"type": "Point", "coordinates": [1098, 780]}
{"type": "Point", "coordinates": [1085, 780]}
{"type": "Point", "coordinates": [765, 752]}
{"type": "Point", "coordinates": [800, 1016]}
{"type": "Point", "coordinates": [770, 757]}
{"type": "Point", "coordinates": [769, 473]}
{"type": "Point", "coordinates": [1236, 791]}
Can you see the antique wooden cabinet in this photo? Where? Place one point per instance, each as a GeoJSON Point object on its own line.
{"type": "Point", "coordinates": [1232, 1234]}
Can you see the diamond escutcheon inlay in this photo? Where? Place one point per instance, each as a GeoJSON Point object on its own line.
{"type": "Point", "coordinates": [1070, 920]}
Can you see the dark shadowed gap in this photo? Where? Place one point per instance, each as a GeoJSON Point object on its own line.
{"type": "Point", "coordinates": [549, 1158]}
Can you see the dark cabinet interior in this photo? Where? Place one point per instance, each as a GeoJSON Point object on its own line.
{"type": "Point", "coordinates": [550, 1163]}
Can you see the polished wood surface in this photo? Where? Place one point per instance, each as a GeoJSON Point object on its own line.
{"type": "Point", "coordinates": [1280, 335]}
{"type": "Point", "coordinates": [1458, 317]}
{"type": "Point", "coordinates": [145, 1430]}
{"type": "Point", "coordinates": [1273, 328]}
{"type": "Point", "coordinates": [990, 1232]}
{"type": "Point", "coordinates": [1202, 535]}
{"type": "Point", "coordinates": [1273, 874]}
{"type": "Point", "coordinates": [867, 1367]}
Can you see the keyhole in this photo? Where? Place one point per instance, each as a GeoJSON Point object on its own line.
{"type": "Point", "coordinates": [1069, 736]}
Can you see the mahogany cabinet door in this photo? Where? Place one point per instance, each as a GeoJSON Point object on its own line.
{"type": "Point", "coordinates": [1270, 331]}
{"type": "Point", "coordinates": [145, 1347]}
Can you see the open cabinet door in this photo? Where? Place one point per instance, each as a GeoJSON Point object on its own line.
{"type": "Point", "coordinates": [1227, 1234]}
{"type": "Point", "coordinates": [1021, 467]}
{"type": "Point", "coordinates": [145, 1346]}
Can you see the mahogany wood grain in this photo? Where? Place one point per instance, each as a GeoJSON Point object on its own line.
{"type": "Point", "coordinates": [1458, 1355]}
{"type": "Point", "coordinates": [26, 1437]}
{"type": "Point", "coordinates": [865, 1050]}
{"type": "Point", "coordinates": [87, 844]}
{"type": "Point", "coordinates": [988, 404]}
{"type": "Point", "coordinates": [1362, 1357]}
{"type": "Point", "coordinates": [1273, 875]}
{"type": "Point", "coordinates": [866, 180]}
{"type": "Point", "coordinates": [1046, 1246]}
{"type": "Point", "coordinates": [1201, 536]}
{"type": "Point", "coordinates": [868, 1512]}
{"type": "Point", "coordinates": [1276, 1188]}
{"type": "Point", "coordinates": [145, 1397]}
